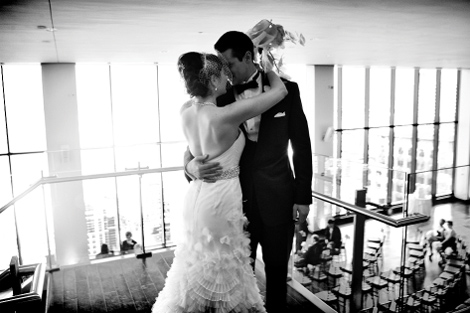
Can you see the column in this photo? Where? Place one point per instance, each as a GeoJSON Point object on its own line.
{"type": "Point", "coordinates": [63, 144]}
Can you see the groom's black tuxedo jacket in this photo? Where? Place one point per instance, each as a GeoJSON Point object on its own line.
{"type": "Point", "coordinates": [265, 171]}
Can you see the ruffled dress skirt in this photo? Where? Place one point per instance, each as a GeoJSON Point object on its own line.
{"type": "Point", "coordinates": [211, 271]}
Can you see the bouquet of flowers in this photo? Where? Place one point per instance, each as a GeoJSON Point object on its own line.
{"type": "Point", "coordinates": [269, 39]}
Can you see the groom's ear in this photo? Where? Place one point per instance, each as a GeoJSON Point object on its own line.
{"type": "Point", "coordinates": [248, 57]}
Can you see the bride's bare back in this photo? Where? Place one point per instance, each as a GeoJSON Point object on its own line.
{"type": "Point", "coordinates": [204, 131]}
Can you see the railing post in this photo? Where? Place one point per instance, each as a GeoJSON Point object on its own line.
{"type": "Point", "coordinates": [144, 254]}
{"type": "Point", "coordinates": [358, 252]}
{"type": "Point", "coordinates": [49, 261]}
{"type": "Point", "coordinates": [357, 262]}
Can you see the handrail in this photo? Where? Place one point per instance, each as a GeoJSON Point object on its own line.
{"type": "Point", "coordinates": [397, 223]}
{"type": "Point", "coordinates": [21, 195]}
{"type": "Point", "coordinates": [401, 222]}
{"type": "Point", "coordinates": [439, 169]}
{"type": "Point", "coordinates": [53, 180]}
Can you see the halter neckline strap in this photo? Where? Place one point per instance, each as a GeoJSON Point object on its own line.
{"type": "Point", "coordinates": [204, 103]}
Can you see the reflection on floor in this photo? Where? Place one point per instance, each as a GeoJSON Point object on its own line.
{"type": "Point", "coordinates": [128, 285]}
{"type": "Point", "coordinates": [330, 281]}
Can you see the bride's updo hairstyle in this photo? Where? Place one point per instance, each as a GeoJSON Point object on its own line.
{"type": "Point", "coordinates": [197, 69]}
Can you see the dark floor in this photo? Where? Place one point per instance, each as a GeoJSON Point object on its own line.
{"type": "Point", "coordinates": [127, 285]}
{"type": "Point", "coordinates": [130, 285]}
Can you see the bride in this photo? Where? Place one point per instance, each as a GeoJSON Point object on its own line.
{"type": "Point", "coordinates": [211, 271]}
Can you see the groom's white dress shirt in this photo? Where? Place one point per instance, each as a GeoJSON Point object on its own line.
{"type": "Point", "coordinates": [252, 125]}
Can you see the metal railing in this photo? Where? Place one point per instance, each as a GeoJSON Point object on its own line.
{"type": "Point", "coordinates": [358, 246]}
{"type": "Point", "coordinates": [57, 180]}
{"type": "Point", "coordinates": [360, 215]}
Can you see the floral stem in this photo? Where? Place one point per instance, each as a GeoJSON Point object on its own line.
{"type": "Point", "coordinates": [274, 62]}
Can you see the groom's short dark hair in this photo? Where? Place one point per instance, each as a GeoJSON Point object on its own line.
{"type": "Point", "coordinates": [239, 42]}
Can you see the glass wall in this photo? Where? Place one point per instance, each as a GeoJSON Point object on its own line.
{"type": "Point", "coordinates": [128, 118]}
{"type": "Point", "coordinates": [134, 110]}
{"type": "Point", "coordinates": [22, 128]}
{"type": "Point", "coordinates": [400, 118]}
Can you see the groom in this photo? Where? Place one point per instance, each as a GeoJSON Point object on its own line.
{"type": "Point", "coordinates": [274, 197]}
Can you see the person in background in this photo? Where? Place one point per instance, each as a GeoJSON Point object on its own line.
{"type": "Point", "coordinates": [128, 244]}
{"type": "Point", "coordinates": [301, 232]}
{"type": "Point", "coordinates": [435, 236]}
{"type": "Point", "coordinates": [450, 241]}
{"type": "Point", "coordinates": [333, 237]}
{"type": "Point", "coordinates": [104, 252]}
{"type": "Point", "coordinates": [313, 254]}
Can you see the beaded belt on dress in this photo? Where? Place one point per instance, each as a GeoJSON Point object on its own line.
{"type": "Point", "coordinates": [230, 173]}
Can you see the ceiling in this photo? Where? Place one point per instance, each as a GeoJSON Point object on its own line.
{"type": "Point", "coordinates": [418, 33]}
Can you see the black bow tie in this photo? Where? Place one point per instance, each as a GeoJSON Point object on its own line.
{"type": "Point", "coordinates": [249, 85]}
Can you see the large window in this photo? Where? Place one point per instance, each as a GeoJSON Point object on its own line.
{"type": "Point", "coordinates": [129, 117]}
{"type": "Point", "coordinates": [379, 107]}
{"type": "Point", "coordinates": [22, 160]}
{"type": "Point", "coordinates": [24, 110]}
{"type": "Point", "coordinates": [404, 96]}
{"type": "Point", "coordinates": [23, 132]}
{"type": "Point", "coordinates": [410, 114]}
{"type": "Point", "coordinates": [426, 96]}
{"type": "Point", "coordinates": [353, 97]}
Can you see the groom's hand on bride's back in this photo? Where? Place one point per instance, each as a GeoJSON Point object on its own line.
{"type": "Point", "coordinates": [205, 171]}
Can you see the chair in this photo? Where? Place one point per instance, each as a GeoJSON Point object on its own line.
{"type": "Point", "coordinates": [441, 293]}
{"type": "Point", "coordinates": [414, 246]}
{"type": "Point", "coordinates": [299, 274]}
{"type": "Point", "coordinates": [427, 299]}
{"type": "Point", "coordinates": [316, 274]}
{"type": "Point", "coordinates": [412, 302]}
{"type": "Point", "coordinates": [376, 245]}
{"type": "Point", "coordinates": [391, 306]}
{"type": "Point", "coordinates": [372, 258]}
{"type": "Point", "coordinates": [334, 273]}
{"type": "Point", "coordinates": [367, 290]}
{"type": "Point", "coordinates": [408, 277]}
{"type": "Point", "coordinates": [392, 279]}
{"type": "Point", "coordinates": [329, 298]}
{"type": "Point", "coordinates": [378, 284]}
{"type": "Point", "coordinates": [344, 293]}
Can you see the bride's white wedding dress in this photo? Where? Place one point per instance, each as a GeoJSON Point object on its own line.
{"type": "Point", "coordinates": [211, 271]}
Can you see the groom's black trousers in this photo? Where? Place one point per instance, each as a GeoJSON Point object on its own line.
{"type": "Point", "coordinates": [276, 245]}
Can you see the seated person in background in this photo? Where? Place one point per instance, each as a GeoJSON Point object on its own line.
{"type": "Point", "coordinates": [104, 252]}
{"type": "Point", "coordinates": [128, 244]}
{"type": "Point", "coordinates": [301, 232]}
{"type": "Point", "coordinates": [312, 256]}
{"type": "Point", "coordinates": [333, 237]}
{"type": "Point", "coordinates": [435, 236]}
{"type": "Point", "coordinates": [450, 240]}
